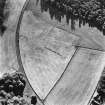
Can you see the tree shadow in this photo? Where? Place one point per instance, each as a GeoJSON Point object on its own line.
{"type": "Point", "coordinates": [2, 17]}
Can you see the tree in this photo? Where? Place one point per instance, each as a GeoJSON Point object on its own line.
{"type": "Point", "coordinates": [86, 11]}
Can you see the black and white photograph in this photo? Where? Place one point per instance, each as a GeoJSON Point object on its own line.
{"type": "Point", "coordinates": [52, 52]}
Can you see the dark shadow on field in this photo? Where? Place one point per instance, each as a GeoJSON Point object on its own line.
{"type": "Point", "coordinates": [3, 16]}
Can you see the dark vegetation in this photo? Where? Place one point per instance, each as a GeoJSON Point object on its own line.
{"type": "Point", "coordinates": [33, 100]}
{"type": "Point", "coordinates": [2, 17]}
{"type": "Point", "coordinates": [84, 11]}
{"type": "Point", "coordinates": [100, 98]}
{"type": "Point", "coordinates": [12, 90]}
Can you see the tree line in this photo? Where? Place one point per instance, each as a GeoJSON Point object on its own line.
{"type": "Point", "coordinates": [85, 11]}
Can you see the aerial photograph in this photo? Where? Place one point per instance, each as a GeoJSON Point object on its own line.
{"type": "Point", "coordinates": [52, 52]}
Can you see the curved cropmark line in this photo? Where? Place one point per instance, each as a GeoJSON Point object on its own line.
{"type": "Point", "coordinates": [19, 55]}
{"type": "Point", "coordinates": [18, 48]}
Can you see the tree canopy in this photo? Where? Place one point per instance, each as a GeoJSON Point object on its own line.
{"type": "Point", "coordinates": [85, 11]}
{"type": "Point", "coordinates": [2, 17]}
